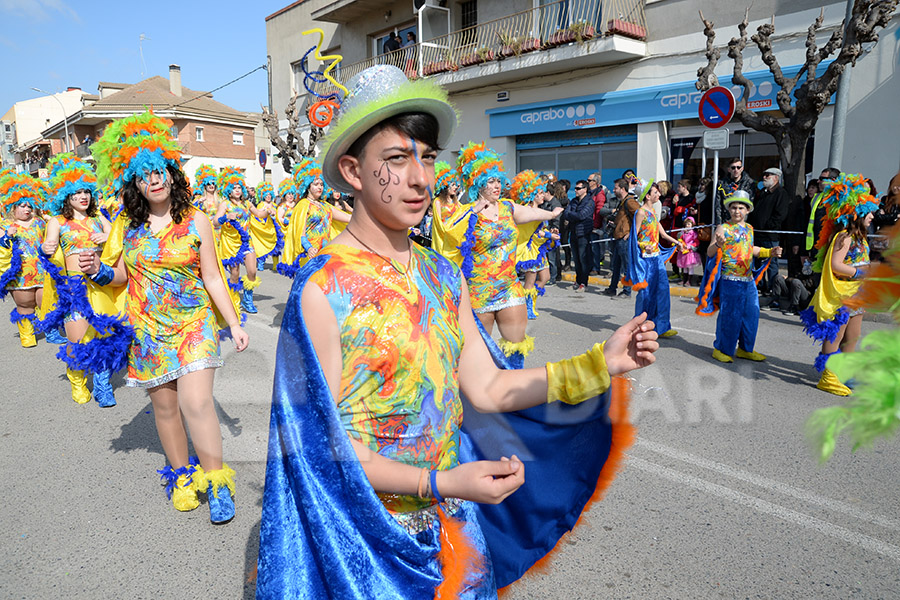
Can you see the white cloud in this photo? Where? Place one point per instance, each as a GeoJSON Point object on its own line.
{"type": "Point", "coordinates": [38, 10]}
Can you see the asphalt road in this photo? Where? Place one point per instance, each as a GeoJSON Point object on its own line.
{"type": "Point", "coordinates": [720, 497]}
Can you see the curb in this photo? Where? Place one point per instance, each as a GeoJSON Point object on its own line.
{"type": "Point", "coordinates": [684, 292]}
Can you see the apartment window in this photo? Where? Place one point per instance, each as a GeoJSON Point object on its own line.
{"type": "Point", "coordinates": [469, 12]}
{"type": "Point", "coordinates": [237, 138]}
{"type": "Point", "coordinates": [199, 132]}
{"type": "Point", "coordinates": [174, 131]}
{"type": "Point", "coordinates": [297, 70]}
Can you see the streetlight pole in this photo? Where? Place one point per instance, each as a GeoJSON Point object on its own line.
{"type": "Point", "coordinates": [65, 119]}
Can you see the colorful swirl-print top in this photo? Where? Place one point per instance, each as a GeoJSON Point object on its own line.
{"type": "Point", "coordinates": [31, 275]}
{"type": "Point", "coordinates": [648, 233]}
{"type": "Point", "coordinates": [318, 224]}
{"type": "Point", "coordinates": [241, 210]}
{"type": "Point", "coordinates": [494, 281]}
{"type": "Point", "coordinates": [210, 206]}
{"type": "Point", "coordinates": [737, 254]}
{"type": "Point", "coordinates": [167, 303]}
{"type": "Point", "coordinates": [75, 234]}
{"type": "Point", "coordinates": [400, 345]}
{"type": "Point", "coordinates": [858, 253]}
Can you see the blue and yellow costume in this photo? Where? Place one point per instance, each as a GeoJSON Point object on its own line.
{"type": "Point", "coordinates": [534, 238]}
{"type": "Point", "coordinates": [20, 266]}
{"type": "Point", "coordinates": [234, 238]}
{"type": "Point", "coordinates": [71, 296]}
{"type": "Point", "coordinates": [265, 233]}
{"type": "Point", "coordinates": [309, 228]}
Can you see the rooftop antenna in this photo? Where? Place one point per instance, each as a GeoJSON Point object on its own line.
{"type": "Point", "coordinates": [141, 48]}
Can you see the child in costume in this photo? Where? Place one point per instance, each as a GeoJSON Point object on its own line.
{"type": "Point", "coordinates": [489, 249]}
{"type": "Point", "coordinates": [81, 305]}
{"type": "Point", "coordinates": [688, 257]}
{"type": "Point", "coordinates": [265, 233]}
{"type": "Point", "coordinates": [647, 262]}
{"type": "Point", "coordinates": [176, 300]}
{"type": "Point", "coordinates": [372, 486]}
{"type": "Point", "coordinates": [234, 214]}
{"type": "Point", "coordinates": [21, 234]}
{"type": "Point", "coordinates": [849, 210]}
{"type": "Point", "coordinates": [730, 284]}
{"type": "Point", "coordinates": [535, 240]}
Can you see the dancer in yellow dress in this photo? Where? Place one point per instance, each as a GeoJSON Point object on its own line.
{"type": "Point", "coordinates": [234, 214]}
{"type": "Point", "coordinates": [21, 234]}
{"type": "Point", "coordinates": [265, 233]}
{"type": "Point", "coordinates": [77, 227]}
{"type": "Point", "coordinates": [206, 182]}
{"type": "Point", "coordinates": [535, 239]}
{"type": "Point", "coordinates": [843, 259]}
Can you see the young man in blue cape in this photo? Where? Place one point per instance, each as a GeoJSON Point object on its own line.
{"type": "Point", "coordinates": [392, 472]}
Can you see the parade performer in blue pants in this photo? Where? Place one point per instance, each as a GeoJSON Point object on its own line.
{"type": "Point", "coordinates": [729, 284]}
{"type": "Point", "coordinates": [647, 263]}
{"type": "Point", "coordinates": [376, 486]}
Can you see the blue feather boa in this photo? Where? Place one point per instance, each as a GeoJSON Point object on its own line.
{"type": "Point", "coordinates": [238, 258]}
{"type": "Point", "coordinates": [106, 353]}
{"type": "Point", "coordinates": [826, 330]}
{"type": "Point", "coordinates": [56, 317]}
{"type": "Point", "coordinates": [543, 249]}
{"type": "Point", "coordinates": [15, 265]}
{"type": "Point", "coordinates": [236, 287]}
{"type": "Point", "coordinates": [468, 246]}
{"type": "Point", "coordinates": [822, 359]}
{"type": "Point", "coordinates": [15, 316]}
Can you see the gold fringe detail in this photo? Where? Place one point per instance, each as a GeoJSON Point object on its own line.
{"type": "Point", "coordinates": [251, 285]}
{"type": "Point", "coordinates": [525, 347]}
{"type": "Point", "coordinates": [532, 292]}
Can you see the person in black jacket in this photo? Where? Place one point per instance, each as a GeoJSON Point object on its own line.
{"type": "Point", "coordinates": [580, 215]}
{"type": "Point", "coordinates": [770, 211]}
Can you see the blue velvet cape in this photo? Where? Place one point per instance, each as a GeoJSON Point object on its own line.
{"type": "Point", "coordinates": [325, 533]}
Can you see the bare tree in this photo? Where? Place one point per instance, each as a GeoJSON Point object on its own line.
{"type": "Point", "coordinates": [290, 148]}
{"type": "Point", "coordinates": [801, 103]}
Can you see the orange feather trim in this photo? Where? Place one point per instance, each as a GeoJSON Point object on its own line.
{"type": "Point", "coordinates": [459, 559]}
{"type": "Point", "coordinates": [623, 436]}
{"type": "Point", "coordinates": [707, 289]}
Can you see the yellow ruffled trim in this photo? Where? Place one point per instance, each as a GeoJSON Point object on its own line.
{"type": "Point", "coordinates": [251, 285]}
{"type": "Point", "coordinates": [531, 292]}
{"type": "Point", "coordinates": [525, 347]}
{"type": "Point", "coordinates": [219, 478]}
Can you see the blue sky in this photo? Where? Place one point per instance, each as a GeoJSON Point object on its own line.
{"type": "Point", "coordinates": [53, 44]}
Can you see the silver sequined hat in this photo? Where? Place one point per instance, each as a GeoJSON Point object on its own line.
{"type": "Point", "coordinates": [739, 196]}
{"type": "Point", "coordinates": [376, 94]}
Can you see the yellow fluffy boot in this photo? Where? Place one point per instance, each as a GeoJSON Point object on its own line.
{"type": "Point", "coordinates": [26, 332]}
{"type": "Point", "coordinates": [829, 382]}
{"type": "Point", "coordinates": [80, 392]}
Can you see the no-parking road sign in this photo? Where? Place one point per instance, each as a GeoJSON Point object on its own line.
{"type": "Point", "coordinates": [716, 107]}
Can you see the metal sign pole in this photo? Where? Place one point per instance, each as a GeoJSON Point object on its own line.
{"type": "Point", "coordinates": [715, 196]}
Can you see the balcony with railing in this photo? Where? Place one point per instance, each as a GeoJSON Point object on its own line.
{"type": "Point", "coordinates": [554, 37]}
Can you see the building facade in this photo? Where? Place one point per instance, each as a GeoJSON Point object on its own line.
{"type": "Point", "coordinates": [208, 131]}
{"type": "Point", "coordinates": [575, 86]}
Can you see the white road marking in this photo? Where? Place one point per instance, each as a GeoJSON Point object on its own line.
{"type": "Point", "coordinates": [770, 484]}
{"type": "Point", "coordinates": [680, 328]}
{"type": "Point", "coordinates": [863, 541]}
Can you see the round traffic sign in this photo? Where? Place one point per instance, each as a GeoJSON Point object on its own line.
{"type": "Point", "coordinates": [716, 107]}
{"type": "Point", "coordinates": [262, 158]}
